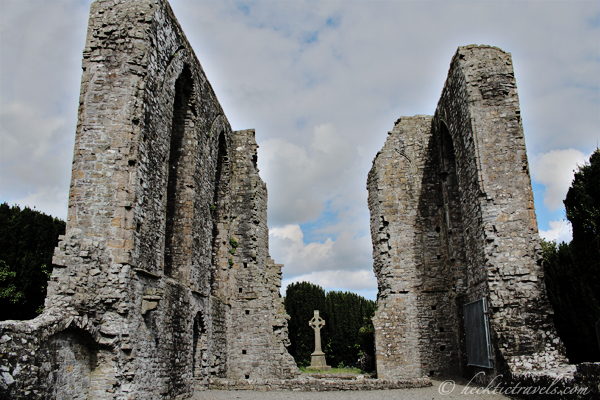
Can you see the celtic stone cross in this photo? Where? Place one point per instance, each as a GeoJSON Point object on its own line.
{"type": "Point", "coordinates": [317, 323]}
{"type": "Point", "coordinates": [317, 359]}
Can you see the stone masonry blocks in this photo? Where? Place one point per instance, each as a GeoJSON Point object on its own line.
{"type": "Point", "coordinates": [453, 221]}
{"type": "Point", "coordinates": [163, 279]}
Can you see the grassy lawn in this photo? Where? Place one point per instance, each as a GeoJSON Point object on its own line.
{"type": "Point", "coordinates": [356, 371]}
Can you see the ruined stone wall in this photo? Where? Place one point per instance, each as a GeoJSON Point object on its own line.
{"type": "Point", "coordinates": [248, 278]}
{"type": "Point", "coordinates": [417, 256]}
{"type": "Point", "coordinates": [394, 186]}
{"type": "Point", "coordinates": [452, 221]}
{"type": "Point", "coordinates": [143, 299]}
{"type": "Point", "coordinates": [480, 107]}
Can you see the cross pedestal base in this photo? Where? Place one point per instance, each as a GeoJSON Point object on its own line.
{"type": "Point", "coordinates": [317, 361]}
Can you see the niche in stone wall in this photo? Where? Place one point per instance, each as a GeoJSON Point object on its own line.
{"type": "Point", "coordinates": [221, 189]}
{"type": "Point", "coordinates": [180, 183]}
{"type": "Point", "coordinates": [200, 348]}
{"type": "Point", "coordinates": [449, 182]}
{"type": "Point", "coordinates": [79, 367]}
{"type": "Point", "coordinates": [221, 174]}
{"type": "Point", "coordinates": [448, 156]}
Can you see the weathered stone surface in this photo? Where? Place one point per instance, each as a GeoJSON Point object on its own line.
{"type": "Point", "coordinates": [453, 221]}
{"type": "Point", "coordinates": [163, 278]}
{"type": "Point", "coordinates": [312, 384]}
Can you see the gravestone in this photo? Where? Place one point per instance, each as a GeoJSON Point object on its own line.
{"type": "Point", "coordinates": [317, 358]}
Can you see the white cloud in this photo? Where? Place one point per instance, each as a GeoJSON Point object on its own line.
{"type": "Point", "coordinates": [299, 257]}
{"type": "Point", "coordinates": [555, 170]}
{"type": "Point", "coordinates": [341, 264]}
{"type": "Point", "coordinates": [50, 200]}
{"type": "Point", "coordinates": [560, 231]}
{"type": "Point", "coordinates": [288, 170]}
{"type": "Point", "coordinates": [346, 252]}
{"type": "Point", "coordinates": [322, 83]}
{"type": "Point", "coordinates": [302, 179]}
{"type": "Point", "coordinates": [40, 65]}
{"type": "Point", "coordinates": [328, 141]}
{"type": "Point", "coordinates": [36, 152]}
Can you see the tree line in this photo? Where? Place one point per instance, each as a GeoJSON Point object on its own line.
{"type": "Point", "coordinates": [573, 269]}
{"type": "Point", "coordinates": [347, 337]}
{"type": "Point", "coordinates": [27, 241]}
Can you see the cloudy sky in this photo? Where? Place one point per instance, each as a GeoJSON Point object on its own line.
{"type": "Point", "coordinates": [322, 82]}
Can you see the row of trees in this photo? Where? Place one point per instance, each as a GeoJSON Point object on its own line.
{"type": "Point", "coordinates": [27, 241]}
{"type": "Point", "coordinates": [348, 331]}
{"type": "Point", "coordinates": [573, 269]}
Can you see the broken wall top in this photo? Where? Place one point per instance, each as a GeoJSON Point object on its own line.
{"type": "Point", "coordinates": [134, 54]}
{"type": "Point", "coordinates": [453, 221]}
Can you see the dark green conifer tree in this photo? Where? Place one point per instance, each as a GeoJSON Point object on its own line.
{"type": "Point", "coordinates": [348, 330]}
{"type": "Point", "coordinates": [301, 299]}
{"type": "Point", "coordinates": [27, 241]}
{"type": "Point", "coordinates": [348, 313]}
{"type": "Point", "coordinates": [573, 269]}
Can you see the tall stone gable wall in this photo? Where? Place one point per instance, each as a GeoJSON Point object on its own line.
{"type": "Point", "coordinates": [453, 221]}
{"type": "Point", "coordinates": [163, 277]}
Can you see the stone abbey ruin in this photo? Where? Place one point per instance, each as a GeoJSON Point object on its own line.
{"type": "Point", "coordinates": [164, 277]}
{"type": "Point", "coordinates": [453, 222]}
{"type": "Point", "coordinates": [163, 280]}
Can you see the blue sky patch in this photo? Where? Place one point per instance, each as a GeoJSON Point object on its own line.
{"type": "Point", "coordinates": [544, 216]}
{"type": "Point", "coordinates": [311, 37]}
{"type": "Point", "coordinates": [333, 22]}
{"type": "Point", "coordinates": [311, 229]}
{"type": "Point", "coordinates": [244, 9]}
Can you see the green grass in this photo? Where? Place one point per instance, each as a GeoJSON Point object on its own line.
{"type": "Point", "coordinates": [357, 371]}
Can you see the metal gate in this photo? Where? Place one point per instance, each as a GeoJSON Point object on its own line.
{"type": "Point", "coordinates": [479, 349]}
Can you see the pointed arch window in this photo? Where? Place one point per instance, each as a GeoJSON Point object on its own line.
{"type": "Point", "coordinates": [180, 183]}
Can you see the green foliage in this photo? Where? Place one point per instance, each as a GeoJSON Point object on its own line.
{"type": "Point", "coordinates": [234, 244]}
{"type": "Point", "coordinates": [301, 299]}
{"type": "Point", "coordinates": [212, 207]}
{"type": "Point", "coordinates": [8, 288]}
{"type": "Point", "coordinates": [348, 331]}
{"type": "Point", "coordinates": [583, 207]}
{"type": "Point", "coordinates": [366, 338]}
{"type": "Point", "coordinates": [573, 269]}
{"type": "Point", "coordinates": [27, 242]}
{"type": "Point", "coordinates": [230, 262]}
{"type": "Point", "coordinates": [348, 314]}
